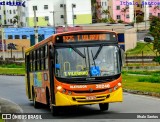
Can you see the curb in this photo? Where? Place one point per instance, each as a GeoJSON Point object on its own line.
{"type": "Point", "coordinates": [153, 94]}
{"type": "Point", "coordinates": [9, 107]}
{"type": "Point", "coordinates": [13, 74]}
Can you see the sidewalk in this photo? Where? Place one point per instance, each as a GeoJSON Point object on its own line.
{"type": "Point", "coordinates": [7, 106]}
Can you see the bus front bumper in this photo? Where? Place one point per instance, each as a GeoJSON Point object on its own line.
{"type": "Point", "coordinates": [69, 100]}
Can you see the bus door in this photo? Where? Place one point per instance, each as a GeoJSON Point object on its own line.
{"type": "Point", "coordinates": [51, 70]}
{"type": "Point", "coordinates": [27, 58]}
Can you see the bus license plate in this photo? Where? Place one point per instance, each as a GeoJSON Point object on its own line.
{"type": "Point", "coordinates": [90, 97]}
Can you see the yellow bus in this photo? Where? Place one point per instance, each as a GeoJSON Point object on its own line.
{"type": "Point", "coordinates": [75, 68]}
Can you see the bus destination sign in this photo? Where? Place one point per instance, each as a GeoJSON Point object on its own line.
{"type": "Point", "coordinates": [87, 37]}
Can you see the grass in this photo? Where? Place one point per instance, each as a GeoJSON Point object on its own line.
{"type": "Point", "coordinates": [137, 51]}
{"type": "Point", "coordinates": [1, 120]}
{"type": "Point", "coordinates": [132, 83]}
{"type": "Point", "coordinates": [150, 79]}
{"type": "Point", "coordinates": [154, 73]}
{"type": "Point", "coordinates": [10, 71]}
{"type": "Point", "coordinates": [12, 66]}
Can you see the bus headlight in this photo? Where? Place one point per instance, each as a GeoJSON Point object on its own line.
{"type": "Point", "coordinates": [119, 84]}
{"type": "Point", "coordinates": [59, 88]}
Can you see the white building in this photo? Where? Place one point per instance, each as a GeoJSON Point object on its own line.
{"type": "Point", "coordinates": [7, 13]}
{"type": "Point", "coordinates": [58, 12]}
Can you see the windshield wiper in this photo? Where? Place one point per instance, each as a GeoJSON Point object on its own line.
{"type": "Point", "coordinates": [79, 52]}
{"type": "Point", "coordinates": [99, 50]}
{"type": "Point", "coordinates": [93, 59]}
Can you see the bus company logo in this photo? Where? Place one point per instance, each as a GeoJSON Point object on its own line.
{"type": "Point", "coordinates": [13, 3]}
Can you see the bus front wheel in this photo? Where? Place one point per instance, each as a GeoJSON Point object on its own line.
{"type": "Point", "coordinates": [104, 106]}
{"type": "Point", "coordinates": [54, 110]}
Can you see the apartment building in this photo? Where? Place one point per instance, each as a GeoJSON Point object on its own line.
{"type": "Point", "coordinates": [7, 14]}
{"type": "Point", "coordinates": [126, 10]}
{"type": "Point", "coordinates": [102, 5]}
{"type": "Point", "coordinates": [121, 10]}
{"type": "Point", "coordinates": [58, 12]}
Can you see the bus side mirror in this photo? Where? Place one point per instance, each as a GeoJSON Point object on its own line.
{"type": "Point", "coordinates": [122, 55]}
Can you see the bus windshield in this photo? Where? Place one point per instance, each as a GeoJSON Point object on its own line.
{"type": "Point", "coordinates": [95, 61]}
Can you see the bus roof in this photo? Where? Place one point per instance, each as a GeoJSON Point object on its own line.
{"type": "Point", "coordinates": [51, 37]}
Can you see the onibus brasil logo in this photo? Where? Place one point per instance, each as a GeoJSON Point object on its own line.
{"type": "Point", "coordinates": [13, 3]}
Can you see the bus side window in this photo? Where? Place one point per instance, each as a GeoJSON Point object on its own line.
{"type": "Point", "coordinates": [30, 54]}
{"type": "Point", "coordinates": [46, 57]}
{"type": "Point", "coordinates": [42, 57]}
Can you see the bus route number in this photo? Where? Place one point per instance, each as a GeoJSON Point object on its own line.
{"type": "Point", "coordinates": [102, 86]}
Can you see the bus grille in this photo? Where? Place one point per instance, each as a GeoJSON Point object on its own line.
{"type": "Point", "coordinates": [98, 99]}
{"type": "Point", "coordinates": [94, 91]}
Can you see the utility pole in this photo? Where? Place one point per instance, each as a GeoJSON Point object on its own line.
{"type": "Point", "coordinates": [3, 36]}
{"type": "Point", "coordinates": [73, 6]}
{"type": "Point", "coordinates": [19, 15]}
{"type": "Point", "coordinates": [65, 17]}
{"type": "Point", "coordinates": [145, 18]}
{"type": "Point", "coordinates": [35, 25]}
{"type": "Point", "coordinates": [135, 19]}
{"type": "Point", "coordinates": [53, 18]}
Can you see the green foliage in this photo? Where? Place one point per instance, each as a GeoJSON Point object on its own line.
{"type": "Point", "coordinates": [151, 79]}
{"type": "Point", "coordinates": [157, 59]}
{"type": "Point", "coordinates": [139, 18]}
{"type": "Point", "coordinates": [155, 32]}
{"type": "Point", "coordinates": [13, 65]}
{"type": "Point", "coordinates": [120, 21]}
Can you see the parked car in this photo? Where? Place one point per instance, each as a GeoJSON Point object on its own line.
{"type": "Point", "coordinates": [148, 39]}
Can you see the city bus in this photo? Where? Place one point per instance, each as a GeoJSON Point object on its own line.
{"type": "Point", "coordinates": [75, 68]}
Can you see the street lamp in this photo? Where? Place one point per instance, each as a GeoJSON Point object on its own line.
{"type": "Point", "coordinates": [35, 25]}
{"type": "Point", "coordinates": [2, 35]}
{"type": "Point", "coordinates": [53, 18]}
{"type": "Point", "coordinates": [73, 17]}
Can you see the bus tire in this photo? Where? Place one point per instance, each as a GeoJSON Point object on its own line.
{"type": "Point", "coordinates": [35, 103]}
{"type": "Point", "coordinates": [54, 110]}
{"type": "Point", "coordinates": [104, 106]}
{"type": "Point", "coordinates": [47, 97]}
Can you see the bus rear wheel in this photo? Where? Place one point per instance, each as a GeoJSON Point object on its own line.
{"type": "Point", "coordinates": [35, 103]}
{"type": "Point", "coordinates": [104, 106]}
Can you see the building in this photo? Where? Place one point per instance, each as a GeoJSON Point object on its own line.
{"type": "Point", "coordinates": [22, 38]}
{"type": "Point", "coordinates": [127, 10]}
{"type": "Point", "coordinates": [58, 12]}
{"type": "Point", "coordinates": [50, 13]}
{"type": "Point", "coordinates": [7, 14]}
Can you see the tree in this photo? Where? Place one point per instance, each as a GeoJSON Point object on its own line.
{"type": "Point", "coordinates": [98, 11]}
{"type": "Point", "coordinates": [93, 7]}
{"type": "Point", "coordinates": [106, 12]}
{"type": "Point", "coordinates": [139, 18]}
{"type": "Point", "coordinates": [155, 32]}
{"type": "Point", "coordinates": [124, 10]}
{"type": "Point", "coordinates": [15, 19]}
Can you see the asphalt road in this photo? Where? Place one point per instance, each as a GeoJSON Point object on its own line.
{"type": "Point", "coordinates": [13, 88]}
